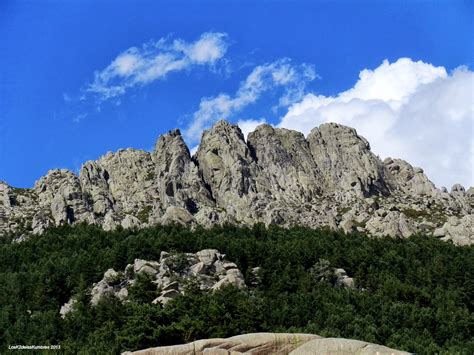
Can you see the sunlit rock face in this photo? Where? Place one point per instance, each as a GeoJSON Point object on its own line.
{"type": "Point", "coordinates": [272, 343]}
{"type": "Point", "coordinates": [277, 176]}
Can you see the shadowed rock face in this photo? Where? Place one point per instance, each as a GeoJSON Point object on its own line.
{"type": "Point", "coordinates": [228, 169]}
{"type": "Point", "coordinates": [285, 164]}
{"type": "Point", "coordinates": [177, 178]}
{"type": "Point", "coordinates": [272, 343]}
{"type": "Point", "coordinates": [330, 178]}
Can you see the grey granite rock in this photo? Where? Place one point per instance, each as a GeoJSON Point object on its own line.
{"type": "Point", "coordinates": [330, 178]}
{"type": "Point", "coordinates": [170, 275]}
{"type": "Point", "coordinates": [273, 343]}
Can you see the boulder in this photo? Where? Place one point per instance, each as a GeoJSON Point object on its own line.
{"type": "Point", "coordinates": [233, 277]}
{"type": "Point", "coordinates": [199, 268]}
{"type": "Point", "coordinates": [342, 280]}
{"type": "Point", "coordinates": [177, 215]}
{"type": "Point", "coordinates": [272, 343]}
{"type": "Point", "coordinates": [208, 256]}
{"type": "Point", "coordinates": [122, 295]}
{"type": "Point", "coordinates": [145, 266]}
{"type": "Point", "coordinates": [110, 275]}
{"type": "Point", "coordinates": [228, 266]}
{"type": "Point", "coordinates": [171, 286]}
{"type": "Point", "coordinates": [99, 290]}
{"type": "Point", "coordinates": [166, 296]}
{"type": "Point", "coordinates": [458, 230]}
{"type": "Point", "coordinates": [148, 270]}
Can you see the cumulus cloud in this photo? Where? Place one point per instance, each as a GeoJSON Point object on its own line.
{"type": "Point", "coordinates": [279, 74]}
{"type": "Point", "coordinates": [406, 109]}
{"type": "Point", "coordinates": [155, 60]}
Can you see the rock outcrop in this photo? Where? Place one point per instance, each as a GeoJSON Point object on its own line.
{"type": "Point", "coordinates": [454, 229]}
{"type": "Point", "coordinates": [272, 343]}
{"type": "Point", "coordinates": [228, 169]}
{"type": "Point", "coordinates": [330, 178]}
{"type": "Point", "coordinates": [178, 182]}
{"type": "Point", "coordinates": [346, 161]}
{"type": "Point", "coordinates": [343, 280]}
{"type": "Point", "coordinates": [67, 307]}
{"type": "Point", "coordinates": [171, 274]}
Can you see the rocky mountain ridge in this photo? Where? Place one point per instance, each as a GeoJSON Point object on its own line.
{"type": "Point", "coordinates": [277, 176]}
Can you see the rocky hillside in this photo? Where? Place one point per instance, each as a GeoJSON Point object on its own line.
{"type": "Point", "coordinates": [207, 268]}
{"type": "Point", "coordinates": [276, 176]}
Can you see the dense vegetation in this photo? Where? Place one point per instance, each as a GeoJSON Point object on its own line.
{"type": "Point", "coordinates": [415, 294]}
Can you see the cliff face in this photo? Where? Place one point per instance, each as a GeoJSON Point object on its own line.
{"type": "Point", "coordinates": [330, 178]}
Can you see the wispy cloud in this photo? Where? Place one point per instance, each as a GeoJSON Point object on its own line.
{"type": "Point", "coordinates": [153, 61]}
{"type": "Point", "coordinates": [281, 73]}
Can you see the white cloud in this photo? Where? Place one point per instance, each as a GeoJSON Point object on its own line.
{"type": "Point", "coordinates": [281, 73]}
{"type": "Point", "coordinates": [193, 150]}
{"type": "Point", "coordinates": [153, 61]}
{"type": "Point", "coordinates": [209, 48]}
{"type": "Point", "coordinates": [394, 82]}
{"type": "Point", "coordinates": [247, 126]}
{"type": "Point", "coordinates": [410, 110]}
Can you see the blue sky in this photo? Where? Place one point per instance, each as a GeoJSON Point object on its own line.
{"type": "Point", "coordinates": [307, 56]}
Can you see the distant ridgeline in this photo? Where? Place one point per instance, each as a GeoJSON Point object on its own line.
{"type": "Point", "coordinates": [413, 294]}
{"type": "Point", "coordinates": [276, 177]}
